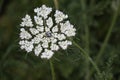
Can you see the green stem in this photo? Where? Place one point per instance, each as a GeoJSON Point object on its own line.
{"type": "Point", "coordinates": [86, 26]}
{"type": "Point", "coordinates": [84, 53]}
{"type": "Point", "coordinates": [98, 6]}
{"type": "Point", "coordinates": [88, 57]}
{"type": "Point", "coordinates": [52, 70]}
{"type": "Point", "coordinates": [84, 16]}
{"type": "Point", "coordinates": [56, 4]}
{"type": "Point", "coordinates": [108, 35]}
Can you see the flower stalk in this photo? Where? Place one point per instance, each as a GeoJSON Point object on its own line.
{"type": "Point", "coordinates": [52, 69]}
{"type": "Point", "coordinates": [112, 25]}
{"type": "Point", "coordinates": [84, 16]}
{"type": "Point", "coordinates": [85, 54]}
{"type": "Point", "coordinates": [56, 4]}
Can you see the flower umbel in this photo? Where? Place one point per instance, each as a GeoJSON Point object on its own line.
{"type": "Point", "coordinates": [44, 35]}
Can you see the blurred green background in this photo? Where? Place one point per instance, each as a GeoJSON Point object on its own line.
{"type": "Point", "coordinates": [92, 19]}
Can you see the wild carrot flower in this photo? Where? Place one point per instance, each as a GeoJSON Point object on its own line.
{"type": "Point", "coordinates": [46, 33]}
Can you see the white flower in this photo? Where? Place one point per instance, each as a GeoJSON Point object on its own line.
{"type": "Point", "coordinates": [55, 29]}
{"type": "Point", "coordinates": [54, 47]}
{"type": "Point", "coordinates": [64, 44]}
{"type": "Point", "coordinates": [47, 54]}
{"type": "Point", "coordinates": [24, 34]}
{"type": "Point", "coordinates": [67, 29]}
{"type": "Point", "coordinates": [47, 29]}
{"type": "Point", "coordinates": [38, 50]}
{"type": "Point", "coordinates": [49, 22]}
{"type": "Point", "coordinates": [48, 34]}
{"type": "Point", "coordinates": [28, 46]}
{"type": "Point", "coordinates": [40, 28]}
{"type": "Point", "coordinates": [27, 21]}
{"type": "Point", "coordinates": [38, 20]}
{"type": "Point", "coordinates": [45, 44]}
{"type": "Point", "coordinates": [34, 31]}
{"type": "Point", "coordinates": [37, 38]}
{"type": "Point", "coordinates": [53, 40]}
{"type": "Point", "coordinates": [59, 16]}
{"type": "Point", "coordinates": [43, 11]}
{"type": "Point", "coordinates": [61, 36]}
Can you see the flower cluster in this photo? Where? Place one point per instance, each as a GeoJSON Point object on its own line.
{"type": "Point", "coordinates": [45, 34]}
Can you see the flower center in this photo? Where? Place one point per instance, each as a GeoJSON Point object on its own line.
{"type": "Point", "coordinates": [48, 34]}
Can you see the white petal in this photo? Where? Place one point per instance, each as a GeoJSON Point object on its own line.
{"type": "Point", "coordinates": [55, 29]}
{"type": "Point", "coordinates": [38, 50]}
{"type": "Point", "coordinates": [47, 29]}
{"type": "Point", "coordinates": [28, 46]}
{"type": "Point", "coordinates": [37, 38]}
{"type": "Point", "coordinates": [67, 29]}
{"type": "Point", "coordinates": [24, 34]}
{"type": "Point", "coordinates": [53, 40]}
{"type": "Point", "coordinates": [59, 16]}
{"type": "Point", "coordinates": [45, 45]}
{"type": "Point", "coordinates": [49, 22]}
{"type": "Point", "coordinates": [54, 47]}
{"type": "Point", "coordinates": [34, 31]}
{"type": "Point", "coordinates": [43, 11]}
{"type": "Point", "coordinates": [64, 44]}
{"type": "Point", "coordinates": [47, 54]}
{"type": "Point", "coordinates": [38, 20]}
{"type": "Point", "coordinates": [27, 21]}
{"type": "Point", "coordinates": [61, 36]}
{"type": "Point", "coordinates": [40, 28]}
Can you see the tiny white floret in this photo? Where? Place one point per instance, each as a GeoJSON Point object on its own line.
{"type": "Point", "coordinates": [47, 54]}
{"type": "Point", "coordinates": [27, 21]}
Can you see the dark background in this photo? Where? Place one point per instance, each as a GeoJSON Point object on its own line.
{"type": "Point", "coordinates": [16, 64]}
